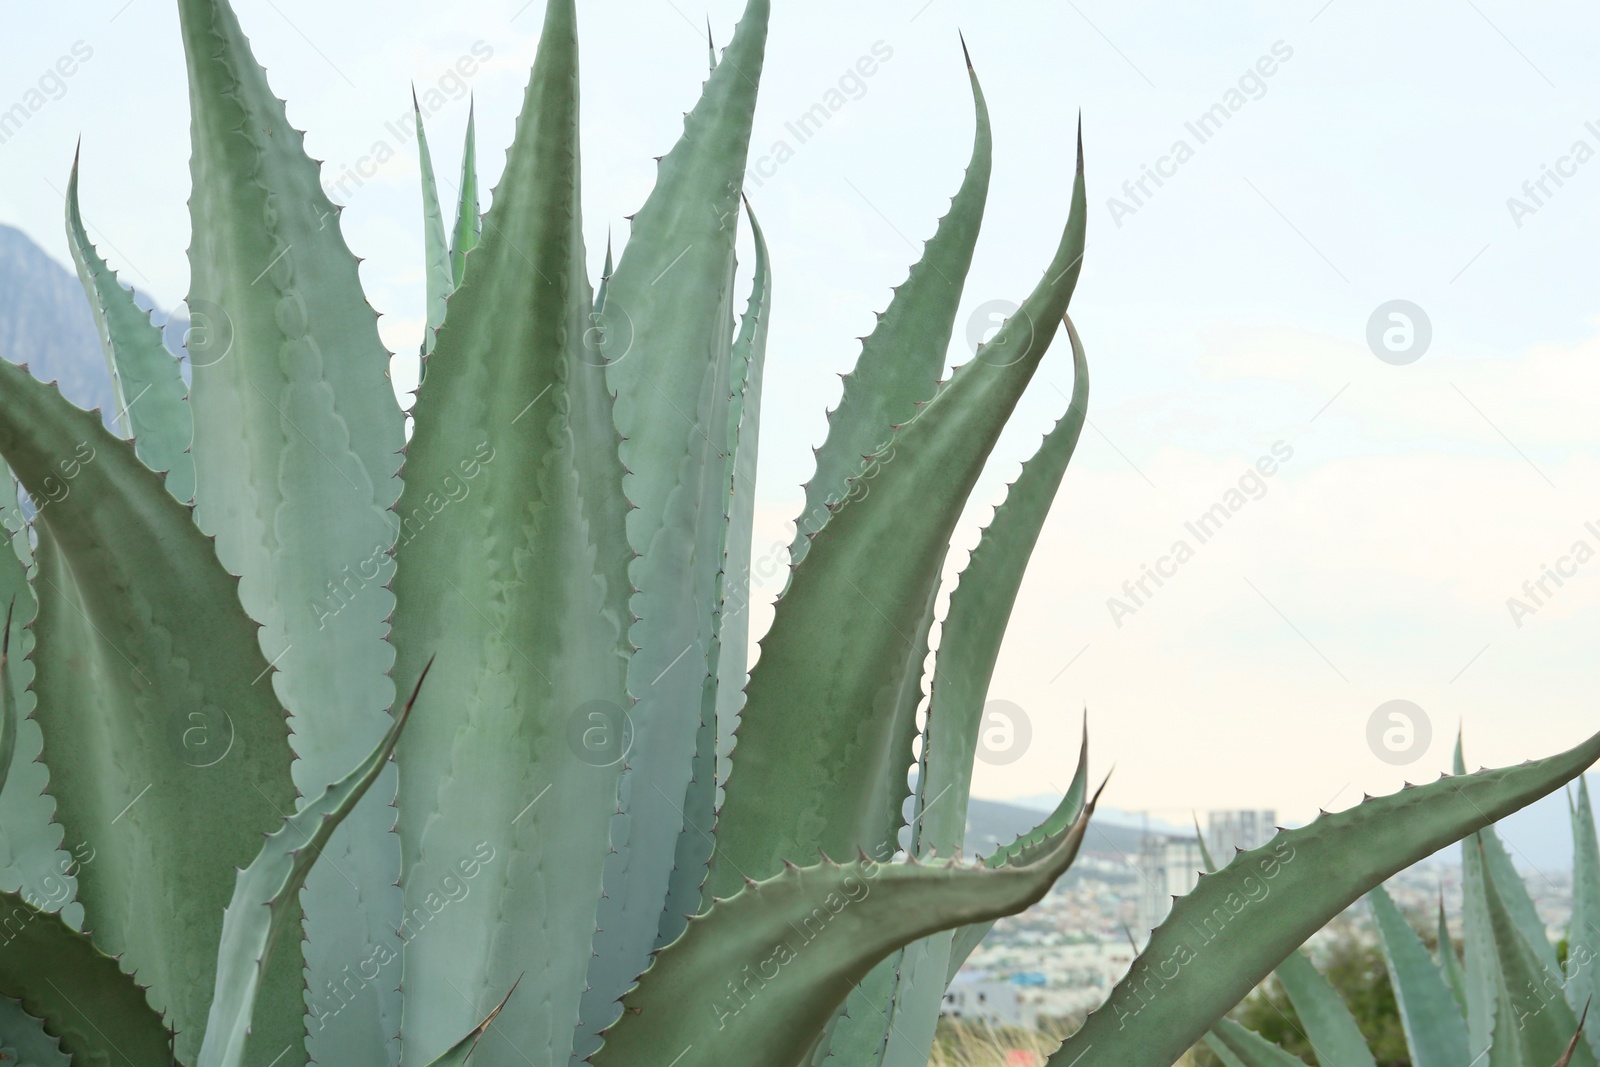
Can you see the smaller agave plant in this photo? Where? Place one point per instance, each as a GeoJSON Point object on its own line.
{"type": "Point", "coordinates": [1511, 1002]}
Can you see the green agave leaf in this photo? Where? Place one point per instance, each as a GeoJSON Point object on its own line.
{"type": "Point", "coordinates": [1436, 1031]}
{"type": "Point", "coordinates": [149, 384]}
{"type": "Point", "coordinates": [509, 776]}
{"type": "Point", "coordinates": [901, 360]}
{"type": "Point", "coordinates": [23, 1039]}
{"type": "Point", "coordinates": [1202, 960]}
{"type": "Point", "coordinates": [698, 805]}
{"type": "Point", "coordinates": [436, 245]}
{"type": "Point", "coordinates": [57, 975]}
{"type": "Point", "coordinates": [744, 424]}
{"type": "Point", "coordinates": [1450, 964]}
{"type": "Point", "coordinates": [1483, 985]}
{"type": "Point", "coordinates": [32, 862]}
{"type": "Point", "coordinates": [759, 973]}
{"type": "Point", "coordinates": [1222, 1051]}
{"type": "Point", "coordinates": [1329, 1027]}
{"type": "Point", "coordinates": [8, 702]}
{"type": "Point", "coordinates": [1249, 1049]}
{"type": "Point", "coordinates": [667, 334]}
{"type": "Point", "coordinates": [167, 762]}
{"type": "Point", "coordinates": [722, 696]}
{"type": "Point", "coordinates": [1533, 1014]}
{"type": "Point", "coordinates": [894, 1013]}
{"type": "Point", "coordinates": [297, 435]}
{"type": "Point", "coordinates": [263, 898]}
{"type": "Point", "coordinates": [469, 224]}
{"type": "Point", "coordinates": [1583, 935]}
{"type": "Point", "coordinates": [823, 745]}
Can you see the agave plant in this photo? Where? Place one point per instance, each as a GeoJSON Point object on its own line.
{"type": "Point", "coordinates": [537, 861]}
{"type": "Point", "coordinates": [1509, 1001]}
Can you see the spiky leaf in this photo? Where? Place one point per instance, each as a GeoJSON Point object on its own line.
{"type": "Point", "coordinates": [149, 383]}
{"type": "Point", "coordinates": [296, 439]}
{"type": "Point", "coordinates": [1239, 923]}
{"type": "Point", "coordinates": [756, 976]}
{"type": "Point", "coordinates": [436, 245]}
{"type": "Point", "coordinates": [263, 897]}
{"type": "Point", "coordinates": [510, 771]}
{"type": "Point", "coordinates": [1436, 1032]}
{"type": "Point", "coordinates": [56, 974]}
{"type": "Point", "coordinates": [667, 328]}
{"type": "Point", "coordinates": [166, 758]}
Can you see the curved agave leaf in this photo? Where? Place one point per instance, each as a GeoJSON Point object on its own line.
{"type": "Point", "coordinates": [1533, 1015]}
{"type": "Point", "coordinates": [263, 896]}
{"type": "Point", "coordinates": [894, 1013]}
{"type": "Point", "coordinates": [437, 265]}
{"type": "Point", "coordinates": [57, 975]}
{"type": "Point", "coordinates": [900, 362]}
{"type": "Point", "coordinates": [1449, 963]}
{"type": "Point", "coordinates": [729, 638]}
{"type": "Point", "coordinates": [511, 769]}
{"type": "Point", "coordinates": [1330, 1029]}
{"type": "Point", "coordinates": [744, 424]}
{"type": "Point", "coordinates": [23, 1039]}
{"type": "Point", "coordinates": [837, 781]}
{"type": "Point", "coordinates": [297, 434]}
{"type": "Point", "coordinates": [165, 760]}
{"type": "Point", "coordinates": [1583, 935]}
{"type": "Point", "coordinates": [758, 974]}
{"type": "Point", "coordinates": [668, 328]}
{"type": "Point", "coordinates": [1241, 922]}
{"type": "Point", "coordinates": [32, 861]}
{"type": "Point", "coordinates": [149, 383]}
{"type": "Point", "coordinates": [1248, 1049]}
{"type": "Point", "coordinates": [1436, 1032]}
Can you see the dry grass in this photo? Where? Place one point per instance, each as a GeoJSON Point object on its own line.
{"type": "Point", "coordinates": [979, 1045]}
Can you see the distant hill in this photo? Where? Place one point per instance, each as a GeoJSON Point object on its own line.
{"type": "Point", "coordinates": [992, 823]}
{"type": "Point", "coordinates": [46, 323]}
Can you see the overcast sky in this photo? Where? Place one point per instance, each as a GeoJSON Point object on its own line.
{"type": "Point", "coordinates": [1358, 153]}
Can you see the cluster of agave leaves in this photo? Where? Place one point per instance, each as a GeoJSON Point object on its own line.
{"type": "Point", "coordinates": [1510, 1001]}
{"type": "Point", "coordinates": [589, 835]}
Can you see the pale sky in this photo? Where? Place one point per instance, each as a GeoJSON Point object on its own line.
{"type": "Point", "coordinates": [1225, 312]}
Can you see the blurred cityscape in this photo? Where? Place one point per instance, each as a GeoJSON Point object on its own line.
{"type": "Point", "coordinates": [1060, 959]}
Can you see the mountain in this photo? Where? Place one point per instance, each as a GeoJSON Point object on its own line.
{"type": "Point", "coordinates": [46, 323]}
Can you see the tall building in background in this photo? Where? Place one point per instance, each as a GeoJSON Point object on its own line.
{"type": "Point", "coordinates": [1230, 831]}
{"type": "Point", "coordinates": [1168, 867]}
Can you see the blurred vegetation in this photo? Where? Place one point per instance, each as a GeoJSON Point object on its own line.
{"type": "Point", "coordinates": [1354, 965]}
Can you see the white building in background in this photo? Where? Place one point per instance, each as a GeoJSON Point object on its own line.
{"type": "Point", "coordinates": [976, 997]}
{"type": "Point", "coordinates": [1229, 831]}
{"type": "Point", "coordinates": [1168, 867]}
